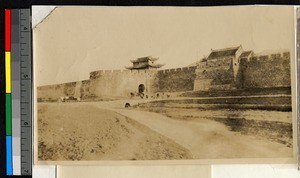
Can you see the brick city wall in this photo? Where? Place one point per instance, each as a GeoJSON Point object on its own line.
{"type": "Point", "coordinates": [266, 71]}
{"type": "Point", "coordinates": [257, 72]}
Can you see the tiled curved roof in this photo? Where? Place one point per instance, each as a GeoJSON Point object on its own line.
{"type": "Point", "coordinates": [223, 52]}
{"type": "Point", "coordinates": [245, 54]}
{"type": "Point", "coordinates": [144, 59]}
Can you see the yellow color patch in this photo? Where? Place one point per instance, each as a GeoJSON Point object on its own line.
{"type": "Point", "coordinates": [8, 72]}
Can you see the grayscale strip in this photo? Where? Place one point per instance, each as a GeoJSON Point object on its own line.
{"type": "Point", "coordinates": [15, 68]}
{"type": "Point", "coordinates": [25, 91]}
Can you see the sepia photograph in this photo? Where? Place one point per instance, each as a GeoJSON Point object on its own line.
{"type": "Point", "coordinates": [165, 83]}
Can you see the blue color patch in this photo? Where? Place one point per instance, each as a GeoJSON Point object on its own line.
{"type": "Point", "coordinates": [9, 164]}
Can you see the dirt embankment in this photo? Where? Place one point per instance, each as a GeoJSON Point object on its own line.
{"type": "Point", "coordinates": [270, 103]}
{"type": "Point", "coordinates": [242, 92]}
{"type": "Point", "coordinates": [68, 131]}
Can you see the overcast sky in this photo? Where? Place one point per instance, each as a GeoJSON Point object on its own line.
{"type": "Point", "coordinates": [73, 41]}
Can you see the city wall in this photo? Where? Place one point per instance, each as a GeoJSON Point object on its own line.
{"type": "Point", "coordinates": [214, 74]}
{"type": "Point", "coordinates": [265, 72]}
{"type": "Point", "coordinates": [54, 92]}
{"type": "Point", "coordinates": [122, 83]}
{"type": "Point", "coordinates": [256, 72]}
{"type": "Point", "coordinates": [175, 80]}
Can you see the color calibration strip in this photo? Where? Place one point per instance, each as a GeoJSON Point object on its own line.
{"type": "Point", "coordinates": [8, 101]}
{"type": "Point", "coordinates": [18, 91]}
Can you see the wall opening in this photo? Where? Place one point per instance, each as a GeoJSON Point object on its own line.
{"type": "Point", "coordinates": [141, 88]}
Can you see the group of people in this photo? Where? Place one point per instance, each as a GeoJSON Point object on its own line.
{"type": "Point", "coordinates": [68, 99]}
{"type": "Point", "coordinates": [154, 96]}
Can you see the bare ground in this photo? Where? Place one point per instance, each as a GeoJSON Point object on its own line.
{"type": "Point", "coordinates": [73, 131]}
{"type": "Point", "coordinates": [67, 132]}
